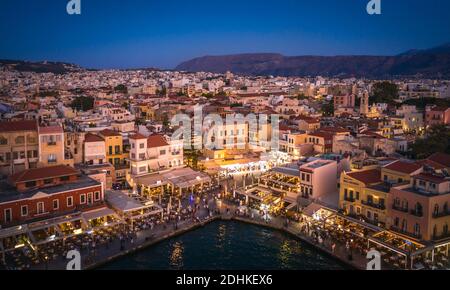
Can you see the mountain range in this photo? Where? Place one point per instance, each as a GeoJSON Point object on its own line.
{"type": "Point", "coordinates": [39, 67]}
{"type": "Point", "coordinates": [432, 63]}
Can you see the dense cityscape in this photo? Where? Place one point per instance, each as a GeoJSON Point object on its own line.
{"type": "Point", "coordinates": [211, 144]}
{"type": "Point", "coordinates": [91, 160]}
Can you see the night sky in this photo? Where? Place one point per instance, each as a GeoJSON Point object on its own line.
{"type": "Point", "coordinates": [163, 33]}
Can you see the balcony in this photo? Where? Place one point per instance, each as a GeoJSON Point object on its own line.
{"type": "Point", "coordinates": [350, 199]}
{"type": "Point", "coordinates": [441, 214]}
{"type": "Point", "coordinates": [399, 208]}
{"type": "Point", "coordinates": [374, 205]}
{"type": "Point", "coordinates": [416, 213]}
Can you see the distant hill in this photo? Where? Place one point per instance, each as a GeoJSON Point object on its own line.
{"type": "Point", "coordinates": [434, 62]}
{"type": "Point", "coordinates": [39, 67]}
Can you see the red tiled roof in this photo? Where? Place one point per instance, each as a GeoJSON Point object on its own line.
{"type": "Point", "coordinates": [309, 120]}
{"type": "Point", "coordinates": [324, 135]}
{"type": "Point", "coordinates": [42, 173]}
{"type": "Point", "coordinates": [403, 166]}
{"type": "Point", "coordinates": [51, 130]}
{"type": "Point", "coordinates": [109, 133]}
{"type": "Point", "coordinates": [440, 158]}
{"type": "Point", "coordinates": [156, 141]}
{"type": "Point", "coordinates": [14, 126]}
{"type": "Point", "coordinates": [431, 177]}
{"type": "Point", "coordinates": [137, 136]}
{"type": "Point", "coordinates": [92, 138]}
{"type": "Point", "coordinates": [335, 130]}
{"type": "Point", "coordinates": [367, 176]}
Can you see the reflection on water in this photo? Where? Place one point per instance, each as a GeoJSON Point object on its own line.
{"type": "Point", "coordinates": [176, 256]}
{"type": "Point", "coordinates": [285, 254]}
{"type": "Point", "coordinates": [221, 236]}
{"type": "Point", "coordinates": [228, 246]}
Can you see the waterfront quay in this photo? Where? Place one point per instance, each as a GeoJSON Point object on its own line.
{"type": "Point", "coordinates": [130, 241]}
{"type": "Point", "coordinates": [341, 237]}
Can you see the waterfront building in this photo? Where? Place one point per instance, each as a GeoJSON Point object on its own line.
{"type": "Point", "coordinates": [51, 147]}
{"type": "Point", "coordinates": [154, 153]}
{"type": "Point", "coordinates": [365, 193]}
{"type": "Point", "coordinates": [41, 193]}
{"type": "Point", "coordinates": [19, 146]}
{"type": "Point", "coordinates": [420, 208]}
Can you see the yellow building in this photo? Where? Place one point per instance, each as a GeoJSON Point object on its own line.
{"type": "Point", "coordinates": [52, 147]}
{"type": "Point", "coordinates": [362, 195]}
{"type": "Point", "coordinates": [399, 171]}
{"type": "Point", "coordinates": [115, 153]}
{"type": "Point", "coordinates": [365, 193]}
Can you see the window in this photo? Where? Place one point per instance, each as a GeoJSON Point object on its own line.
{"type": "Point", "coordinates": [142, 156]}
{"type": "Point", "coordinates": [64, 178]}
{"type": "Point", "coordinates": [24, 210]}
{"type": "Point", "coordinates": [82, 198]}
{"type": "Point", "coordinates": [117, 149]}
{"type": "Point", "coordinates": [417, 229]}
{"type": "Point", "coordinates": [55, 204]}
{"type": "Point", "coordinates": [97, 195]}
{"type": "Point", "coordinates": [436, 209]}
{"type": "Point", "coordinates": [143, 169]}
{"type": "Point", "coordinates": [8, 215]}
{"type": "Point", "coordinates": [69, 201]}
{"type": "Point", "coordinates": [51, 158]}
{"type": "Point", "coordinates": [3, 141]}
{"type": "Point", "coordinates": [30, 184]}
{"type": "Point", "coordinates": [141, 145]}
{"type": "Point", "coordinates": [162, 152]}
{"type": "Point", "coordinates": [110, 150]}
{"type": "Point", "coordinates": [20, 140]}
{"type": "Point", "coordinates": [40, 208]}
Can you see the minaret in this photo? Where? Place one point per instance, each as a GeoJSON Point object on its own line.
{"type": "Point", "coordinates": [364, 106]}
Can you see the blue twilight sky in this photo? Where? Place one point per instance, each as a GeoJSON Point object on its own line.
{"type": "Point", "coordinates": [163, 33]}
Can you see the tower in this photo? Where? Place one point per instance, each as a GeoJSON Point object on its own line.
{"type": "Point", "coordinates": [364, 106]}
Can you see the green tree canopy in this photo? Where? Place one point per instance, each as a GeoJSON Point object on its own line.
{"type": "Point", "coordinates": [83, 103]}
{"type": "Point", "coordinates": [437, 140]}
{"type": "Point", "coordinates": [384, 92]}
{"type": "Point", "coordinates": [328, 109]}
{"type": "Point", "coordinates": [121, 89]}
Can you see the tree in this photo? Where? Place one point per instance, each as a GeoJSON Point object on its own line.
{"type": "Point", "coordinates": [302, 97]}
{"type": "Point", "coordinates": [421, 103]}
{"type": "Point", "coordinates": [385, 92]}
{"type": "Point", "coordinates": [82, 103]}
{"type": "Point", "coordinates": [437, 140]}
{"type": "Point", "coordinates": [328, 109]}
{"type": "Point", "coordinates": [121, 89]}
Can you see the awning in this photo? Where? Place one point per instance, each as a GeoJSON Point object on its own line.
{"type": "Point", "coordinates": [98, 213]}
{"type": "Point", "coordinates": [311, 209]}
{"type": "Point", "coordinates": [13, 231]}
{"type": "Point", "coordinates": [122, 202]}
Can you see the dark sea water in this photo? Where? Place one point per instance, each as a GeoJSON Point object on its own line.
{"type": "Point", "coordinates": [227, 245]}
